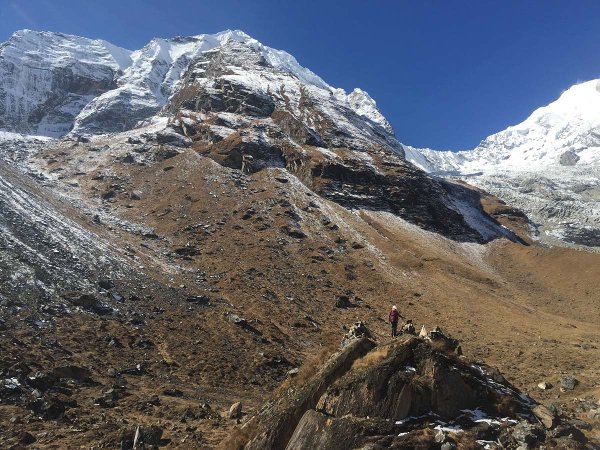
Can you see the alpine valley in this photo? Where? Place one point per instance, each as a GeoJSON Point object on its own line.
{"type": "Point", "coordinates": [188, 231]}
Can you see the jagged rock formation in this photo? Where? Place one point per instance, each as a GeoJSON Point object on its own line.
{"type": "Point", "coordinates": [405, 394]}
{"type": "Point", "coordinates": [548, 166]}
{"type": "Point", "coordinates": [248, 107]}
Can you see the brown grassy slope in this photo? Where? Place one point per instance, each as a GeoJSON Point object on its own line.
{"type": "Point", "coordinates": [525, 309]}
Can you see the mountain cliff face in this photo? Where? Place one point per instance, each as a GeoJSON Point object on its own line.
{"type": "Point", "coordinates": [242, 104]}
{"type": "Point", "coordinates": [47, 78]}
{"type": "Point", "coordinates": [54, 83]}
{"type": "Point", "coordinates": [548, 166]}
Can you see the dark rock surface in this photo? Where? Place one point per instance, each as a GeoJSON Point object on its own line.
{"type": "Point", "coordinates": [405, 394]}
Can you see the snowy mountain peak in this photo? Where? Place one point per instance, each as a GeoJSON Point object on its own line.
{"type": "Point", "coordinates": [365, 106]}
{"type": "Point", "coordinates": [54, 83]}
{"type": "Point", "coordinates": [65, 49]}
{"type": "Point", "coordinates": [548, 165]}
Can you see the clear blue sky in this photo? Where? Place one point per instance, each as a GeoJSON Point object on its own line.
{"type": "Point", "coordinates": [445, 73]}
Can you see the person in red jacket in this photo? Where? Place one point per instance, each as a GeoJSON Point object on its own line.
{"type": "Point", "coordinates": [393, 318]}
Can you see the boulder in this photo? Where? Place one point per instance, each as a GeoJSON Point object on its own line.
{"type": "Point", "coordinates": [235, 412]}
{"type": "Point", "coordinates": [568, 383]}
{"type": "Point", "coordinates": [342, 301]}
{"type": "Point", "coordinates": [544, 385]}
{"type": "Point", "coordinates": [357, 331]}
{"type": "Point", "coordinates": [545, 416]}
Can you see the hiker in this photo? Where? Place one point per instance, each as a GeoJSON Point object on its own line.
{"type": "Point", "coordinates": [393, 317]}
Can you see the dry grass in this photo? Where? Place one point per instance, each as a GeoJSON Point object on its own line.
{"type": "Point", "coordinates": [238, 437]}
{"type": "Point", "coordinates": [373, 357]}
{"type": "Point", "coordinates": [309, 368]}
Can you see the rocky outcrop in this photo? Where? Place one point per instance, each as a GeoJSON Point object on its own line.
{"type": "Point", "coordinates": [277, 421]}
{"type": "Point", "coordinates": [405, 394]}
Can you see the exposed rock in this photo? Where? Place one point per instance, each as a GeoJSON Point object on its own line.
{"type": "Point", "coordinates": [545, 416]}
{"type": "Point", "coordinates": [171, 137]}
{"type": "Point", "coordinates": [544, 385]}
{"type": "Point", "coordinates": [450, 344]}
{"type": "Point", "coordinates": [568, 383]}
{"type": "Point", "coordinates": [357, 331]}
{"type": "Point", "coordinates": [276, 423]}
{"type": "Point", "coordinates": [203, 300]}
{"type": "Point", "coordinates": [235, 412]}
{"type": "Point", "coordinates": [26, 438]}
{"type": "Point", "coordinates": [73, 372]}
{"type": "Point", "coordinates": [141, 436]}
{"type": "Point", "coordinates": [523, 434]}
{"type": "Point", "coordinates": [393, 392]}
{"type": "Point", "coordinates": [569, 158]}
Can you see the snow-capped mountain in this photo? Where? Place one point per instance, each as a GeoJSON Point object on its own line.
{"type": "Point", "coordinates": [51, 83]}
{"type": "Point", "coordinates": [47, 78]}
{"type": "Point", "coordinates": [548, 165]}
{"type": "Point", "coordinates": [229, 98]}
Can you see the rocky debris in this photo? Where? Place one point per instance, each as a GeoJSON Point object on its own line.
{"type": "Point", "coordinates": [51, 408]}
{"type": "Point", "coordinates": [109, 397]}
{"type": "Point", "coordinates": [523, 435]}
{"type": "Point", "coordinates": [235, 412]}
{"type": "Point", "coordinates": [408, 328]}
{"type": "Point", "coordinates": [10, 388]}
{"type": "Point", "coordinates": [544, 385]}
{"type": "Point", "coordinates": [568, 383]}
{"type": "Point", "coordinates": [358, 330]}
{"type": "Point", "coordinates": [589, 406]}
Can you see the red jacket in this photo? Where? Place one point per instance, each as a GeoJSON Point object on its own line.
{"type": "Point", "coordinates": [394, 315]}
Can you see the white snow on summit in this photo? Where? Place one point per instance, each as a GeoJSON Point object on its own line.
{"type": "Point", "coordinates": [548, 166]}
{"type": "Point", "coordinates": [365, 106]}
{"type": "Point", "coordinates": [566, 132]}
{"type": "Point", "coordinates": [46, 78]}
{"type": "Point", "coordinates": [52, 83]}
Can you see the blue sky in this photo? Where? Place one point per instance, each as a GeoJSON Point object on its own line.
{"type": "Point", "coordinates": [445, 73]}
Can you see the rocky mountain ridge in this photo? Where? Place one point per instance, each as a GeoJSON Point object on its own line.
{"type": "Point", "coordinates": [54, 83]}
